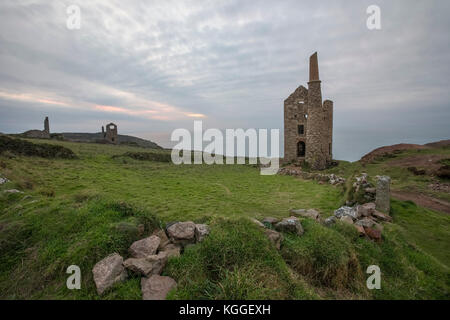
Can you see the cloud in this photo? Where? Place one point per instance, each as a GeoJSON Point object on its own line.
{"type": "Point", "coordinates": [153, 66]}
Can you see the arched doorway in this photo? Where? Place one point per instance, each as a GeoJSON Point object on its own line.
{"type": "Point", "coordinates": [301, 149]}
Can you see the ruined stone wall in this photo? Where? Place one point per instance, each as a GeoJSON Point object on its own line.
{"type": "Point", "coordinates": [328, 106]}
{"type": "Point", "coordinates": [111, 133]}
{"type": "Point", "coordinates": [295, 111]}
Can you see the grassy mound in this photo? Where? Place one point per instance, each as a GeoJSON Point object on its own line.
{"type": "Point", "coordinates": [26, 148]}
{"type": "Point", "coordinates": [236, 261]}
{"type": "Point", "coordinates": [324, 256]}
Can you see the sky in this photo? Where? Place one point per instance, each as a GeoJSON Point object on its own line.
{"type": "Point", "coordinates": [154, 66]}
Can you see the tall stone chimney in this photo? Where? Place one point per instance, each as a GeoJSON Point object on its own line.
{"type": "Point", "coordinates": [313, 68]}
{"type": "Point", "coordinates": [46, 126]}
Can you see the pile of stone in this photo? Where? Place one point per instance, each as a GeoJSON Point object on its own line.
{"type": "Point", "coordinates": [362, 185]}
{"type": "Point", "coordinates": [148, 258]}
{"type": "Point", "coordinates": [289, 225]}
{"type": "Point", "coordinates": [321, 177]}
{"type": "Point", "coordinates": [366, 219]}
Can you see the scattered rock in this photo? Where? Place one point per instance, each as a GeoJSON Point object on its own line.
{"type": "Point", "coordinates": [360, 229]}
{"type": "Point", "coordinates": [151, 265]}
{"type": "Point", "coordinates": [383, 194]}
{"type": "Point", "coordinates": [330, 221]}
{"type": "Point", "coordinates": [172, 250]}
{"type": "Point", "coordinates": [346, 211]}
{"type": "Point", "coordinates": [366, 210]}
{"type": "Point", "coordinates": [145, 247]}
{"type": "Point", "coordinates": [3, 180]}
{"type": "Point", "coordinates": [156, 287]}
{"type": "Point", "coordinates": [108, 271]}
{"type": "Point", "coordinates": [381, 216]}
{"type": "Point", "coordinates": [371, 190]}
{"type": "Point", "coordinates": [201, 232]}
{"type": "Point", "coordinates": [365, 222]}
{"type": "Point", "coordinates": [346, 219]}
{"type": "Point", "coordinates": [310, 213]}
{"type": "Point", "coordinates": [291, 225]}
{"type": "Point", "coordinates": [182, 232]}
{"type": "Point", "coordinates": [161, 234]}
{"type": "Point", "coordinates": [12, 191]}
{"type": "Point", "coordinates": [275, 237]}
{"type": "Point", "coordinates": [257, 222]}
{"type": "Point", "coordinates": [373, 234]}
{"type": "Point", "coordinates": [270, 220]}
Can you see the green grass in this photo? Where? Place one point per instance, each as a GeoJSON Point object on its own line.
{"type": "Point", "coordinates": [77, 211]}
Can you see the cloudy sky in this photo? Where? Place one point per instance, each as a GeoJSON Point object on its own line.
{"type": "Point", "coordinates": [154, 66]}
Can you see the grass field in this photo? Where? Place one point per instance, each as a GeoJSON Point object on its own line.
{"type": "Point", "coordinates": [77, 211]}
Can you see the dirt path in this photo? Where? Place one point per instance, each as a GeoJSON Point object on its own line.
{"type": "Point", "coordinates": [423, 200]}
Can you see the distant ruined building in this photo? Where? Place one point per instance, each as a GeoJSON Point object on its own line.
{"type": "Point", "coordinates": [111, 133]}
{"type": "Point", "coordinates": [308, 123]}
{"type": "Point", "coordinates": [40, 134]}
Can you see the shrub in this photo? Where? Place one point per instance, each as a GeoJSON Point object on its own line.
{"type": "Point", "coordinates": [26, 148]}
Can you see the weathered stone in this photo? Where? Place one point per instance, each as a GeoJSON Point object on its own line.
{"type": "Point", "coordinates": [145, 247]}
{"type": "Point", "coordinates": [346, 211]}
{"type": "Point", "coordinates": [156, 287]}
{"type": "Point", "coordinates": [172, 250]}
{"type": "Point", "coordinates": [365, 222]}
{"type": "Point", "coordinates": [258, 223]}
{"type": "Point", "coordinates": [373, 234]}
{"type": "Point", "coordinates": [346, 219]}
{"type": "Point", "coordinates": [330, 221]}
{"type": "Point", "coordinates": [360, 230]}
{"type": "Point", "coordinates": [3, 180]}
{"type": "Point", "coordinates": [12, 191]}
{"type": "Point", "coordinates": [310, 213]}
{"type": "Point", "coordinates": [366, 209]}
{"type": "Point", "coordinates": [161, 234]}
{"type": "Point", "coordinates": [291, 225]}
{"type": "Point", "coordinates": [182, 232]}
{"type": "Point", "coordinates": [381, 216]}
{"type": "Point", "coordinates": [270, 220]}
{"type": "Point", "coordinates": [370, 190]}
{"type": "Point", "coordinates": [151, 265]}
{"type": "Point", "coordinates": [108, 271]}
{"type": "Point", "coordinates": [274, 237]}
{"type": "Point", "coordinates": [382, 201]}
{"type": "Point", "coordinates": [201, 232]}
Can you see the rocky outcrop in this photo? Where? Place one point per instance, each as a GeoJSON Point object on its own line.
{"type": "Point", "coordinates": [156, 287]}
{"type": "Point", "coordinates": [108, 271]}
{"type": "Point", "coordinates": [290, 225]}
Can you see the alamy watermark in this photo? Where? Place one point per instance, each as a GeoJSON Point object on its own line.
{"type": "Point", "coordinates": [374, 20]}
{"type": "Point", "coordinates": [191, 150]}
{"type": "Point", "coordinates": [373, 281]}
{"type": "Point", "coordinates": [73, 21]}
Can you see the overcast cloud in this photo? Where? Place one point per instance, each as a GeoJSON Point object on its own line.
{"type": "Point", "coordinates": [153, 66]}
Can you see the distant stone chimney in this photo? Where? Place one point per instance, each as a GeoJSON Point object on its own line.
{"type": "Point", "coordinates": [46, 126]}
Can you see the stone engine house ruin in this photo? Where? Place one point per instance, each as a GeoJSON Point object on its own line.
{"type": "Point", "coordinates": [111, 133]}
{"type": "Point", "coordinates": [308, 123]}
